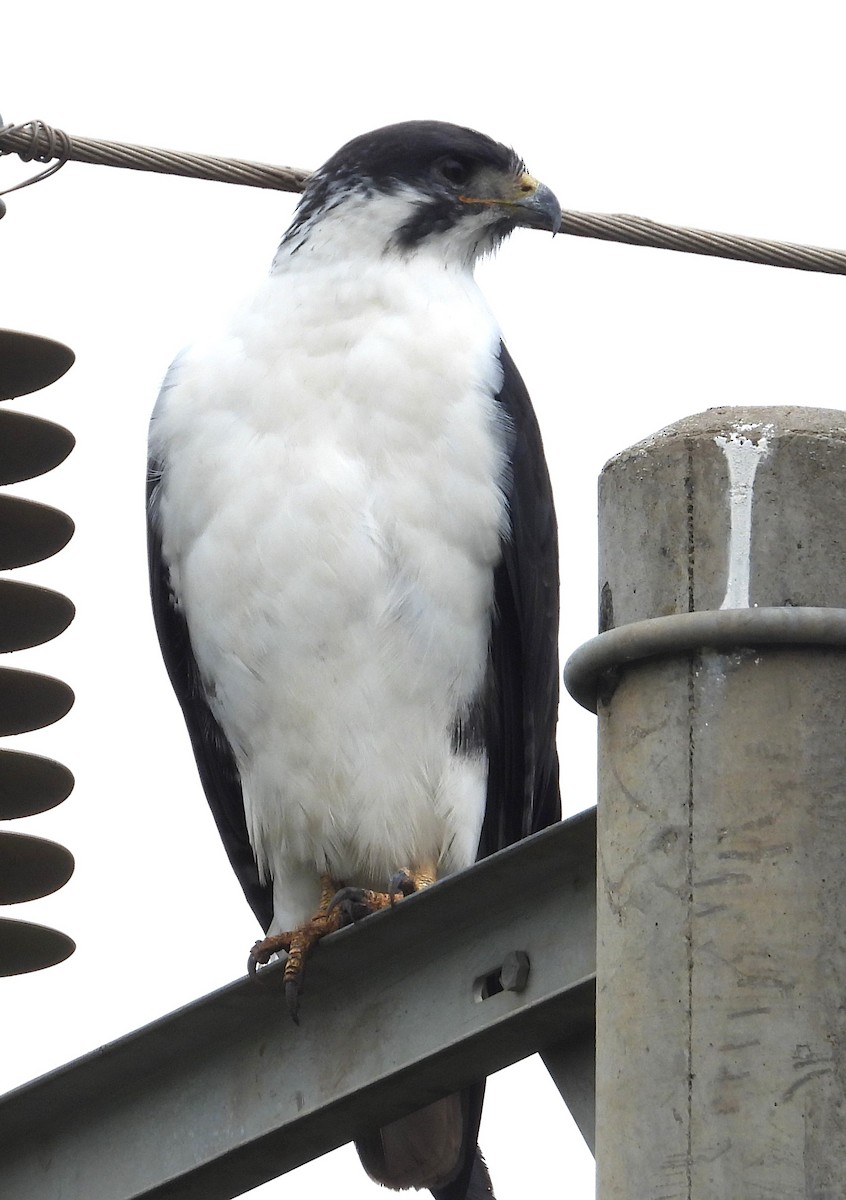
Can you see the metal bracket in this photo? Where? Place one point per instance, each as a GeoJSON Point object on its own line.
{"type": "Point", "coordinates": [227, 1093]}
{"type": "Point", "coordinates": [685, 633]}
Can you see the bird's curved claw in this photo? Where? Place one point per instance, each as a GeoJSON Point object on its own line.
{"type": "Point", "coordinates": [292, 998]}
{"type": "Point", "coordinates": [402, 884]}
{"type": "Point", "coordinates": [354, 903]}
{"type": "Point", "coordinates": [263, 951]}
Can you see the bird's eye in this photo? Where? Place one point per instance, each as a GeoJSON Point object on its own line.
{"type": "Point", "coordinates": [453, 171]}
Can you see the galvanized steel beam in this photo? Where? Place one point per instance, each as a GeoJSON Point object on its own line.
{"type": "Point", "coordinates": [227, 1093]}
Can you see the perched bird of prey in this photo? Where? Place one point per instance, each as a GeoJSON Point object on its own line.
{"type": "Point", "coordinates": [353, 559]}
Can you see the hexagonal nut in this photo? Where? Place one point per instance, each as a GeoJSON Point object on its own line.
{"type": "Point", "coordinates": [514, 972]}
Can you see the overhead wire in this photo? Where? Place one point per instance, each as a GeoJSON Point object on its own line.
{"type": "Point", "coordinates": [37, 141]}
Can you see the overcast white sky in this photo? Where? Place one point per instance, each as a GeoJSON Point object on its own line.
{"type": "Point", "coordinates": [725, 116]}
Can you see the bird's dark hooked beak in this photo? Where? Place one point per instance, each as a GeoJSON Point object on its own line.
{"type": "Point", "coordinates": [527, 202]}
{"type": "Point", "coordinates": [539, 208]}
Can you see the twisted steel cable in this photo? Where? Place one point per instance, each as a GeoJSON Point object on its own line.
{"type": "Point", "coordinates": [34, 140]}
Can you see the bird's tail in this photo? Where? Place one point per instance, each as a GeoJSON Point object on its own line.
{"type": "Point", "coordinates": [432, 1148]}
{"type": "Point", "coordinates": [478, 1187]}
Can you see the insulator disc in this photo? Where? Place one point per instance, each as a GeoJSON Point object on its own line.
{"type": "Point", "coordinates": [31, 867]}
{"type": "Point", "coordinates": [27, 947]}
{"type": "Point", "coordinates": [30, 701]}
{"type": "Point", "coordinates": [31, 784]}
{"type": "Point", "coordinates": [30, 532]}
{"type": "Point", "coordinates": [29, 362]}
{"type": "Point", "coordinates": [30, 446]}
{"type": "Point", "coordinates": [30, 615]}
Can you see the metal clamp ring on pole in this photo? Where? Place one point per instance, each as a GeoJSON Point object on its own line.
{"type": "Point", "coordinates": [685, 633]}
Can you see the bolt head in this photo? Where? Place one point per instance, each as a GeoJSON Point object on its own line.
{"type": "Point", "coordinates": [514, 973]}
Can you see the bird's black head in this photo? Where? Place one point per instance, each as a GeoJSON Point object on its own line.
{"type": "Point", "coordinates": [454, 177]}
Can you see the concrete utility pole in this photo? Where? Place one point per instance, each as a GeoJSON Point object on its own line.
{"type": "Point", "coordinates": [721, 972]}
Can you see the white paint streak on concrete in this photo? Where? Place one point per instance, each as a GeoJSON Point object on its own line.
{"type": "Point", "coordinates": [744, 448]}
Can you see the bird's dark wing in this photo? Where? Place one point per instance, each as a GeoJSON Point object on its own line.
{"type": "Point", "coordinates": [215, 763]}
{"type": "Point", "coordinates": [518, 709]}
{"type": "Point", "coordinates": [521, 693]}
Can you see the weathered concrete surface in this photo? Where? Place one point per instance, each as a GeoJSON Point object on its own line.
{"type": "Point", "coordinates": [721, 990]}
{"type": "Point", "coordinates": [665, 514]}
